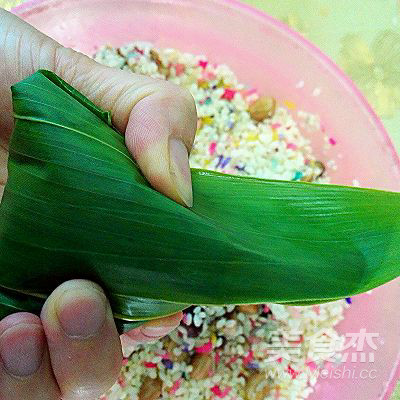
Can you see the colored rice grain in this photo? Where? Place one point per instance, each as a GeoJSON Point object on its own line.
{"type": "Point", "coordinates": [245, 352]}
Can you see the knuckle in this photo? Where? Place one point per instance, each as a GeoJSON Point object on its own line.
{"type": "Point", "coordinates": [71, 66]}
{"type": "Point", "coordinates": [64, 62]}
{"type": "Point", "coordinates": [183, 96]}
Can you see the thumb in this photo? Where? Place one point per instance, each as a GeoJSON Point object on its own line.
{"type": "Point", "coordinates": [157, 117]}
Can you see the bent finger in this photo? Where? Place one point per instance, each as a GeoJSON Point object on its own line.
{"type": "Point", "coordinates": [160, 134]}
{"type": "Point", "coordinates": [159, 118]}
{"type": "Point", "coordinates": [149, 332]}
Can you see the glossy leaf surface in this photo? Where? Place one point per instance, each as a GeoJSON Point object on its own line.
{"type": "Point", "coordinates": [77, 206]}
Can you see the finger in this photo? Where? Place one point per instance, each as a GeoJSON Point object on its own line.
{"type": "Point", "coordinates": [159, 135]}
{"type": "Point", "coordinates": [84, 345]}
{"type": "Point", "coordinates": [3, 169]}
{"type": "Point", "coordinates": [159, 119]}
{"type": "Point", "coordinates": [23, 50]}
{"type": "Point", "coordinates": [25, 371]}
{"type": "Point", "coordinates": [149, 332]}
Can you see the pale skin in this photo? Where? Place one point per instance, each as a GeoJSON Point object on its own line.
{"type": "Point", "coordinates": [73, 351]}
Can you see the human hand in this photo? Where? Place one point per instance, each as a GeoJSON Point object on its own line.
{"type": "Point", "coordinates": [73, 350]}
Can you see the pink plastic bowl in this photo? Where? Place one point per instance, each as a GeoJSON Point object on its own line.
{"type": "Point", "coordinates": [267, 55]}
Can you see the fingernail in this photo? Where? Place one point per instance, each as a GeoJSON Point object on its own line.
{"type": "Point", "coordinates": [156, 331]}
{"type": "Point", "coordinates": [81, 312]}
{"type": "Point", "coordinates": [180, 170]}
{"type": "Point", "coordinates": [158, 328]}
{"type": "Point", "coordinates": [21, 349]}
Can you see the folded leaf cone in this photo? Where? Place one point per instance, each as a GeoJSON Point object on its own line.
{"type": "Point", "coordinates": [77, 206]}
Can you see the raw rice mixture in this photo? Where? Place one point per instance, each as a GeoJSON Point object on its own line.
{"type": "Point", "coordinates": [249, 352]}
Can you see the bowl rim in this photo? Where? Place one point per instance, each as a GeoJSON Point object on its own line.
{"type": "Point", "coordinates": [253, 12]}
{"type": "Point", "coordinates": [30, 5]}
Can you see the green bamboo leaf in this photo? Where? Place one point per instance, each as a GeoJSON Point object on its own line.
{"type": "Point", "coordinates": [77, 206]}
{"type": "Point", "coordinates": [103, 115]}
{"type": "Point", "coordinates": [12, 302]}
{"type": "Point", "coordinates": [132, 308]}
